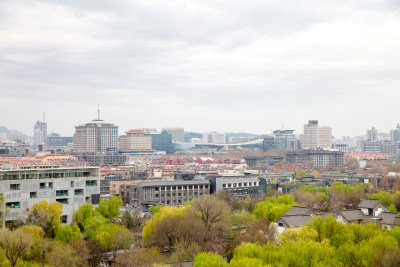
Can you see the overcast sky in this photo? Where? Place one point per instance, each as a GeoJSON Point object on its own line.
{"type": "Point", "coordinates": [229, 66]}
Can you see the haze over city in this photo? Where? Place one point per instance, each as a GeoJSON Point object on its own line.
{"type": "Point", "coordinates": [237, 66]}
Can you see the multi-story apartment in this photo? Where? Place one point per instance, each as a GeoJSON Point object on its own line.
{"type": "Point", "coordinates": [372, 146]}
{"type": "Point", "coordinates": [320, 158]}
{"type": "Point", "coordinates": [342, 147]}
{"type": "Point", "coordinates": [96, 136]}
{"type": "Point", "coordinates": [178, 134]}
{"type": "Point", "coordinates": [280, 140]}
{"type": "Point", "coordinates": [135, 141]}
{"type": "Point", "coordinates": [170, 193]}
{"type": "Point", "coordinates": [315, 136]}
{"type": "Point", "coordinates": [39, 133]}
{"type": "Point", "coordinates": [71, 186]}
{"type": "Point", "coordinates": [213, 138]}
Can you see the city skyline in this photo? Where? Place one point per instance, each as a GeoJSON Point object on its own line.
{"type": "Point", "coordinates": [205, 66]}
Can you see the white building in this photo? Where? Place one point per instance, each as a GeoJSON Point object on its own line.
{"type": "Point", "coordinates": [178, 134]}
{"type": "Point", "coordinates": [71, 186]}
{"type": "Point", "coordinates": [315, 136]}
{"type": "Point", "coordinates": [135, 141]}
{"type": "Point", "coordinates": [213, 138]}
{"type": "Point", "coordinates": [39, 133]}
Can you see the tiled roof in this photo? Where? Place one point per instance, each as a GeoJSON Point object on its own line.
{"type": "Point", "coordinates": [296, 210]}
{"type": "Point", "coordinates": [368, 203]}
{"type": "Point", "coordinates": [352, 215]}
{"type": "Point", "coordinates": [296, 220]}
{"type": "Point", "coordinates": [390, 218]}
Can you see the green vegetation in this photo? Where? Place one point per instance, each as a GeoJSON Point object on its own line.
{"type": "Point", "coordinates": [273, 208]}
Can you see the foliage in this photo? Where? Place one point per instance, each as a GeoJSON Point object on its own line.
{"type": "Point", "coordinates": [207, 259]}
{"type": "Point", "coordinates": [212, 213]}
{"type": "Point", "coordinates": [46, 216]}
{"type": "Point", "coordinates": [395, 232]}
{"type": "Point", "coordinates": [273, 208]}
{"type": "Point", "coordinates": [15, 244]}
{"type": "Point", "coordinates": [155, 209]}
{"type": "Point", "coordinates": [109, 208]}
{"type": "Point", "coordinates": [185, 251]}
{"type": "Point", "coordinates": [68, 233]}
{"type": "Point", "coordinates": [315, 173]}
{"type": "Point", "coordinates": [241, 220]}
{"type": "Point", "coordinates": [84, 212]}
{"type": "Point", "coordinates": [384, 197]}
{"type": "Point", "coordinates": [301, 173]}
{"type": "Point", "coordinates": [142, 257]}
{"type": "Point", "coordinates": [131, 220]}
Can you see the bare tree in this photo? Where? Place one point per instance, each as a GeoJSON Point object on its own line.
{"type": "Point", "coordinates": [15, 244]}
{"type": "Point", "coordinates": [212, 212]}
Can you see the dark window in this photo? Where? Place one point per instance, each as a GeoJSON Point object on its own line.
{"type": "Point", "coordinates": [14, 186]}
{"type": "Point", "coordinates": [33, 194]}
{"type": "Point", "coordinates": [78, 192]}
{"type": "Point", "coordinates": [72, 183]}
{"type": "Point", "coordinates": [61, 193]}
{"type": "Point", "coordinates": [13, 205]}
{"type": "Point", "coordinates": [64, 219]}
{"type": "Point", "coordinates": [91, 182]}
{"type": "Point", "coordinates": [62, 200]}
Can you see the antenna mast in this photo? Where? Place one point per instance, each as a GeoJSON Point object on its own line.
{"type": "Point", "coordinates": [98, 111]}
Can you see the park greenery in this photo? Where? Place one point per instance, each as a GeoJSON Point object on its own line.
{"type": "Point", "coordinates": [215, 230]}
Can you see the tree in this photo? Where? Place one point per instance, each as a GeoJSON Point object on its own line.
{"type": "Point", "coordinates": [155, 209]}
{"type": "Point", "coordinates": [384, 197]}
{"type": "Point", "coordinates": [207, 259]}
{"type": "Point", "coordinates": [131, 220]}
{"type": "Point", "coordinates": [184, 251]}
{"type": "Point", "coordinates": [110, 208]}
{"type": "Point", "coordinates": [212, 212]}
{"type": "Point", "coordinates": [84, 212]}
{"type": "Point", "coordinates": [3, 209]}
{"type": "Point", "coordinates": [68, 233]}
{"type": "Point", "coordinates": [62, 255]}
{"type": "Point", "coordinates": [273, 208]}
{"type": "Point", "coordinates": [142, 257]}
{"type": "Point", "coordinates": [301, 173]}
{"type": "Point", "coordinates": [46, 216]}
{"type": "Point", "coordinates": [15, 244]}
{"type": "Point", "coordinates": [315, 173]}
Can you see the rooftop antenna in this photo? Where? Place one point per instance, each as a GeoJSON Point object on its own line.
{"type": "Point", "coordinates": [98, 111]}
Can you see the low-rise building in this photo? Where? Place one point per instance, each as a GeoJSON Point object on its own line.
{"type": "Point", "coordinates": [170, 193]}
{"type": "Point", "coordinates": [320, 158]}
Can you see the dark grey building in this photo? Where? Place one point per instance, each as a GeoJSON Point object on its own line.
{"type": "Point", "coordinates": [57, 140]}
{"type": "Point", "coordinates": [320, 158]}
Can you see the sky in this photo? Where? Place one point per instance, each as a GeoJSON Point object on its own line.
{"type": "Point", "coordinates": [228, 66]}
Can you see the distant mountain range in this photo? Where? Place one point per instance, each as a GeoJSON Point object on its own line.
{"type": "Point", "coordinates": [11, 134]}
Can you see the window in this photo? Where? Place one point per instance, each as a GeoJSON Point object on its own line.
{"type": "Point", "coordinates": [61, 193]}
{"type": "Point", "coordinates": [229, 185]}
{"type": "Point", "coordinates": [224, 185]}
{"type": "Point", "coordinates": [91, 182]}
{"type": "Point", "coordinates": [33, 194]}
{"type": "Point", "coordinates": [234, 185]}
{"type": "Point", "coordinates": [206, 186]}
{"type": "Point", "coordinates": [13, 205]}
{"type": "Point", "coordinates": [240, 184]}
{"type": "Point", "coordinates": [78, 192]}
{"type": "Point", "coordinates": [14, 186]}
{"type": "Point", "coordinates": [196, 187]}
{"type": "Point", "coordinates": [87, 199]}
{"type": "Point", "coordinates": [179, 187]}
{"type": "Point", "coordinates": [46, 185]}
{"type": "Point", "coordinates": [281, 224]}
{"type": "Point", "coordinates": [72, 183]}
{"type": "Point", "coordinates": [62, 200]}
{"type": "Point", "coordinates": [245, 184]}
{"type": "Point", "coordinates": [64, 218]}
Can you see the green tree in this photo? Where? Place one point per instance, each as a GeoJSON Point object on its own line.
{"type": "Point", "coordinates": [15, 244]}
{"type": "Point", "coordinates": [301, 173]}
{"type": "Point", "coordinates": [46, 216]}
{"type": "Point", "coordinates": [273, 208]}
{"type": "Point", "coordinates": [84, 212]}
{"type": "Point", "coordinates": [384, 197]}
{"type": "Point", "coordinates": [207, 259]}
{"type": "Point", "coordinates": [155, 209]}
{"type": "Point", "coordinates": [68, 233]}
{"type": "Point", "coordinates": [110, 208]}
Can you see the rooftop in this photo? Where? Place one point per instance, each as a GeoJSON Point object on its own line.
{"type": "Point", "coordinates": [172, 183]}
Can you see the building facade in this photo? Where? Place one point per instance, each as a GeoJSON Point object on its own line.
{"type": "Point", "coordinates": [315, 136]}
{"type": "Point", "coordinates": [372, 135]}
{"type": "Point", "coordinates": [395, 134]}
{"type": "Point", "coordinates": [162, 142]}
{"type": "Point", "coordinates": [55, 140]}
{"type": "Point", "coordinates": [96, 136]}
{"type": "Point", "coordinates": [320, 158]}
{"type": "Point", "coordinates": [178, 134]}
{"type": "Point", "coordinates": [280, 140]}
{"type": "Point", "coordinates": [169, 193]}
{"type": "Point", "coordinates": [135, 141]}
{"type": "Point", "coordinates": [39, 133]}
{"type": "Point", "coordinates": [71, 186]}
{"type": "Point", "coordinates": [213, 138]}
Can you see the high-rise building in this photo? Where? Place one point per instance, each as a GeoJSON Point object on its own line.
{"type": "Point", "coordinates": [135, 141]}
{"type": "Point", "coordinates": [372, 135]}
{"type": "Point", "coordinates": [213, 138]}
{"type": "Point", "coordinates": [39, 133]}
{"type": "Point", "coordinates": [395, 134]}
{"type": "Point", "coordinates": [315, 136]}
{"type": "Point", "coordinates": [162, 141]}
{"type": "Point", "coordinates": [178, 134]}
{"type": "Point", "coordinates": [96, 136]}
{"type": "Point", "coordinates": [280, 140]}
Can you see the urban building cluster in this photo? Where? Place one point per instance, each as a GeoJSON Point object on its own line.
{"type": "Point", "coordinates": [146, 167]}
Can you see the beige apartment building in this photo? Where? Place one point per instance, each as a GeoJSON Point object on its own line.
{"type": "Point", "coordinates": [96, 136]}
{"type": "Point", "coordinates": [316, 136]}
{"type": "Point", "coordinates": [135, 141]}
